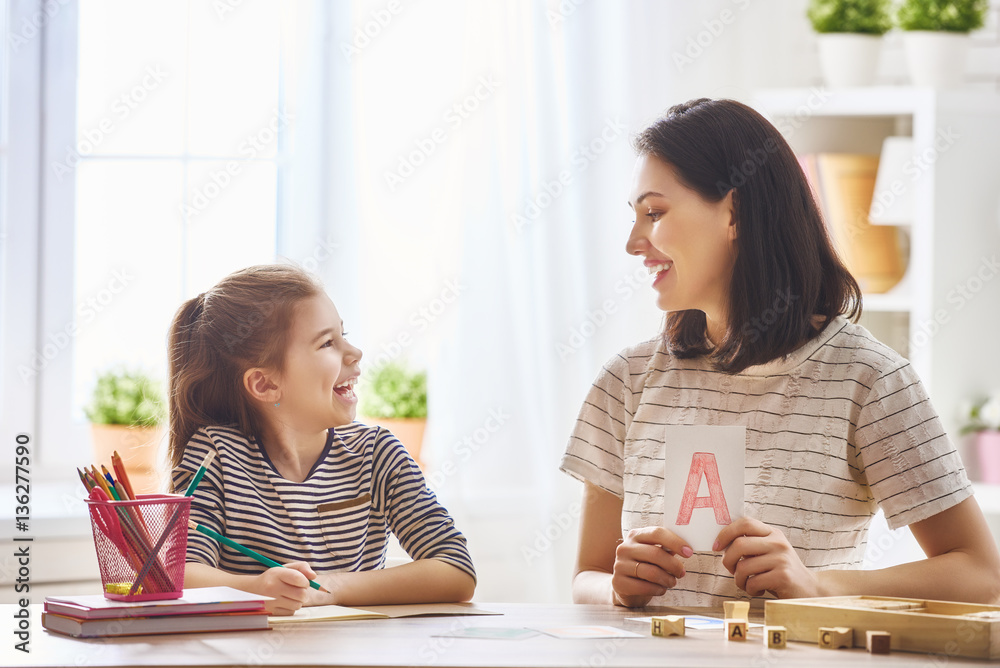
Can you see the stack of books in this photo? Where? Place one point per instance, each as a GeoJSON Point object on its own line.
{"type": "Point", "coordinates": [197, 610]}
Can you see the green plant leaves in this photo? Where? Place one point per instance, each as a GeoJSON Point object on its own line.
{"type": "Point", "coordinates": [867, 17]}
{"type": "Point", "coordinates": [393, 391]}
{"type": "Point", "coordinates": [128, 397]}
{"type": "Point", "coordinates": [942, 15]}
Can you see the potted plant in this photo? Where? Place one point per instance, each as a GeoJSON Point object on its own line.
{"type": "Point", "coordinates": [850, 38]}
{"type": "Point", "coordinates": [936, 37]}
{"type": "Point", "coordinates": [127, 414]}
{"type": "Point", "coordinates": [395, 397]}
{"type": "Point", "coordinates": [982, 418]}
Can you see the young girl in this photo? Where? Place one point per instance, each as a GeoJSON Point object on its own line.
{"type": "Point", "coordinates": [262, 375]}
{"type": "Point", "coordinates": [837, 423]}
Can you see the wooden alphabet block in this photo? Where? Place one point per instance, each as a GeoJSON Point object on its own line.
{"type": "Point", "coordinates": [775, 636]}
{"type": "Point", "coordinates": [736, 629]}
{"type": "Point", "coordinates": [671, 625]}
{"type": "Point", "coordinates": [878, 642]}
{"type": "Point", "coordinates": [835, 637]}
{"type": "Point", "coordinates": [737, 609]}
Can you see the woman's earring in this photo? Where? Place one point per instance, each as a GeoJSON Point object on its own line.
{"type": "Point", "coordinates": [276, 405]}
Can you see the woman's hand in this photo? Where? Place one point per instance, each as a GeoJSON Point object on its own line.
{"type": "Point", "coordinates": [288, 585]}
{"type": "Point", "coordinates": [647, 564]}
{"type": "Point", "coordinates": [762, 560]}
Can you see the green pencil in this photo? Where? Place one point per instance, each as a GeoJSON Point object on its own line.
{"type": "Point", "coordinates": [200, 473]}
{"type": "Point", "coordinates": [245, 550]}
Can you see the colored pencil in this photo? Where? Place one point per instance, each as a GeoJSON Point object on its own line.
{"type": "Point", "coordinates": [200, 473]}
{"type": "Point", "coordinates": [153, 556]}
{"type": "Point", "coordinates": [245, 550]}
{"type": "Point", "coordinates": [119, 466]}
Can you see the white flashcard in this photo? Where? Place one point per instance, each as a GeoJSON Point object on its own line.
{"type": "Point", "coordinates": [703, 481]}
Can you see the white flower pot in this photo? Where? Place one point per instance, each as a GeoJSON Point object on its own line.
{"type": "Point", "coordinates": [936, 59]}
{"type": "Point", "coordinates": [848, 59]}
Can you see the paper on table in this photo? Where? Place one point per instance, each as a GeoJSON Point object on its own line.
{"type": "Point", "coordinates": [703, 480]}
{"type": "Point", "coordinates": [331, 613]}
{"type": "Point", "coordinates": [587, 632]}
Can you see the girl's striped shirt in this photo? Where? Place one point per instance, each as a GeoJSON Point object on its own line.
{"type": "Point", "coordinates": [363, 486]}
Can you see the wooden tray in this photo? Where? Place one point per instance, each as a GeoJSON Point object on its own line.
{"type": "Point", "coordinates": [916, 625]}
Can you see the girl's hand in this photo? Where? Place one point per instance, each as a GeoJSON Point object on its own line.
{"type": "Point", "coordinates": [762, 560]}
{"type": "Point", "coordinates": [647, 565]}
{"type": "Point", "coordinates": [288, 585]}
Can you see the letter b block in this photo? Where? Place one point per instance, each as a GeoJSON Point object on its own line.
{"type": "Point", "coordinates": [671, 625]}
{"type": "Point", "coordinates": [775, 636]}
{"type": "Point", "coordinates": [835, 637]}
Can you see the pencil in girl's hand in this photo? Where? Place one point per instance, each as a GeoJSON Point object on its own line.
{"type": "Point", "coordinates": [201, 473]}
{"type": "Point", "coordinates": [246, 550]}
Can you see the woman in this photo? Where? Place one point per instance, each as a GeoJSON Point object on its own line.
{"type": "Point", "coordinates": [760, 332]}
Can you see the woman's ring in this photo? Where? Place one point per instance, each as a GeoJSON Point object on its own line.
{"type": "Point", "coordinates": [637, 570]}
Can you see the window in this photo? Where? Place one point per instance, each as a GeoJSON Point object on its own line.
{"type": "Point", "coordinates": [173, 173]}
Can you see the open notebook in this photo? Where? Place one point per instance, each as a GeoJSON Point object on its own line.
{"type": "Point", "coordinates": [332, 613]}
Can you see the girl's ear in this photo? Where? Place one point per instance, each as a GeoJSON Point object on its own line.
{"type": "Point", "coordinates": [260, 386]}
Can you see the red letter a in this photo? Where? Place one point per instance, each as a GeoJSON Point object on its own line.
{"type": "Point", "coordinates": [703, 464]}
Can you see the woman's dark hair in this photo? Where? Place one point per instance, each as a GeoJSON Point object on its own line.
{"type": "Point", "coordinates": [239, 324]}
{"type": "Point", "coordinates": [786, 269]}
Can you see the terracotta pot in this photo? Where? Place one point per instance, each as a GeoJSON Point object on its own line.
{"type": "Point", "coordinates": [409, 431]}
{"type": "Point", "coordinates": [139, 448]}
{"type": "Point", "coordinates": [988, 447]}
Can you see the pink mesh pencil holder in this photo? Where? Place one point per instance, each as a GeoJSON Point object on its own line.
{"type": "Point", "coordinates": [141, 545]}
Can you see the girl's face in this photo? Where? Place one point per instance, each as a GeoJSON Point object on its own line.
{"type": "Point", "coordinates": [687, 241]}
{"type": "Point", "coordinates": [321, 367]}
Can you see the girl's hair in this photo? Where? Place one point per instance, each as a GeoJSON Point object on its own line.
{"type": "Point", "coordinates": [239, 324]}
{"type": "Point", "coordinates": [785, 269]}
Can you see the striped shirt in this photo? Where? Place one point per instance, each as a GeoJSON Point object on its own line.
{"type": "Point", "coordinates": [363, 486]}
{"type": "Point", "coordinates": [834, 430]}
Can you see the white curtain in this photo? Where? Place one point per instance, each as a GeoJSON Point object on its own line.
{"type": "Point", "coordinates": [476, 166]}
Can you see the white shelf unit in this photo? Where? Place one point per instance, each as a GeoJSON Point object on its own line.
{"type": "Point", "coordinates": [944, 316]}
{"type": "Point", "coordinates": [949, 300]}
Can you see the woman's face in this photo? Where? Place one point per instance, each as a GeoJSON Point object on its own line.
{"type": "Point", "coordinates": [320, 368]}
{"type": "Point", "coordinates": [687, 241]}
